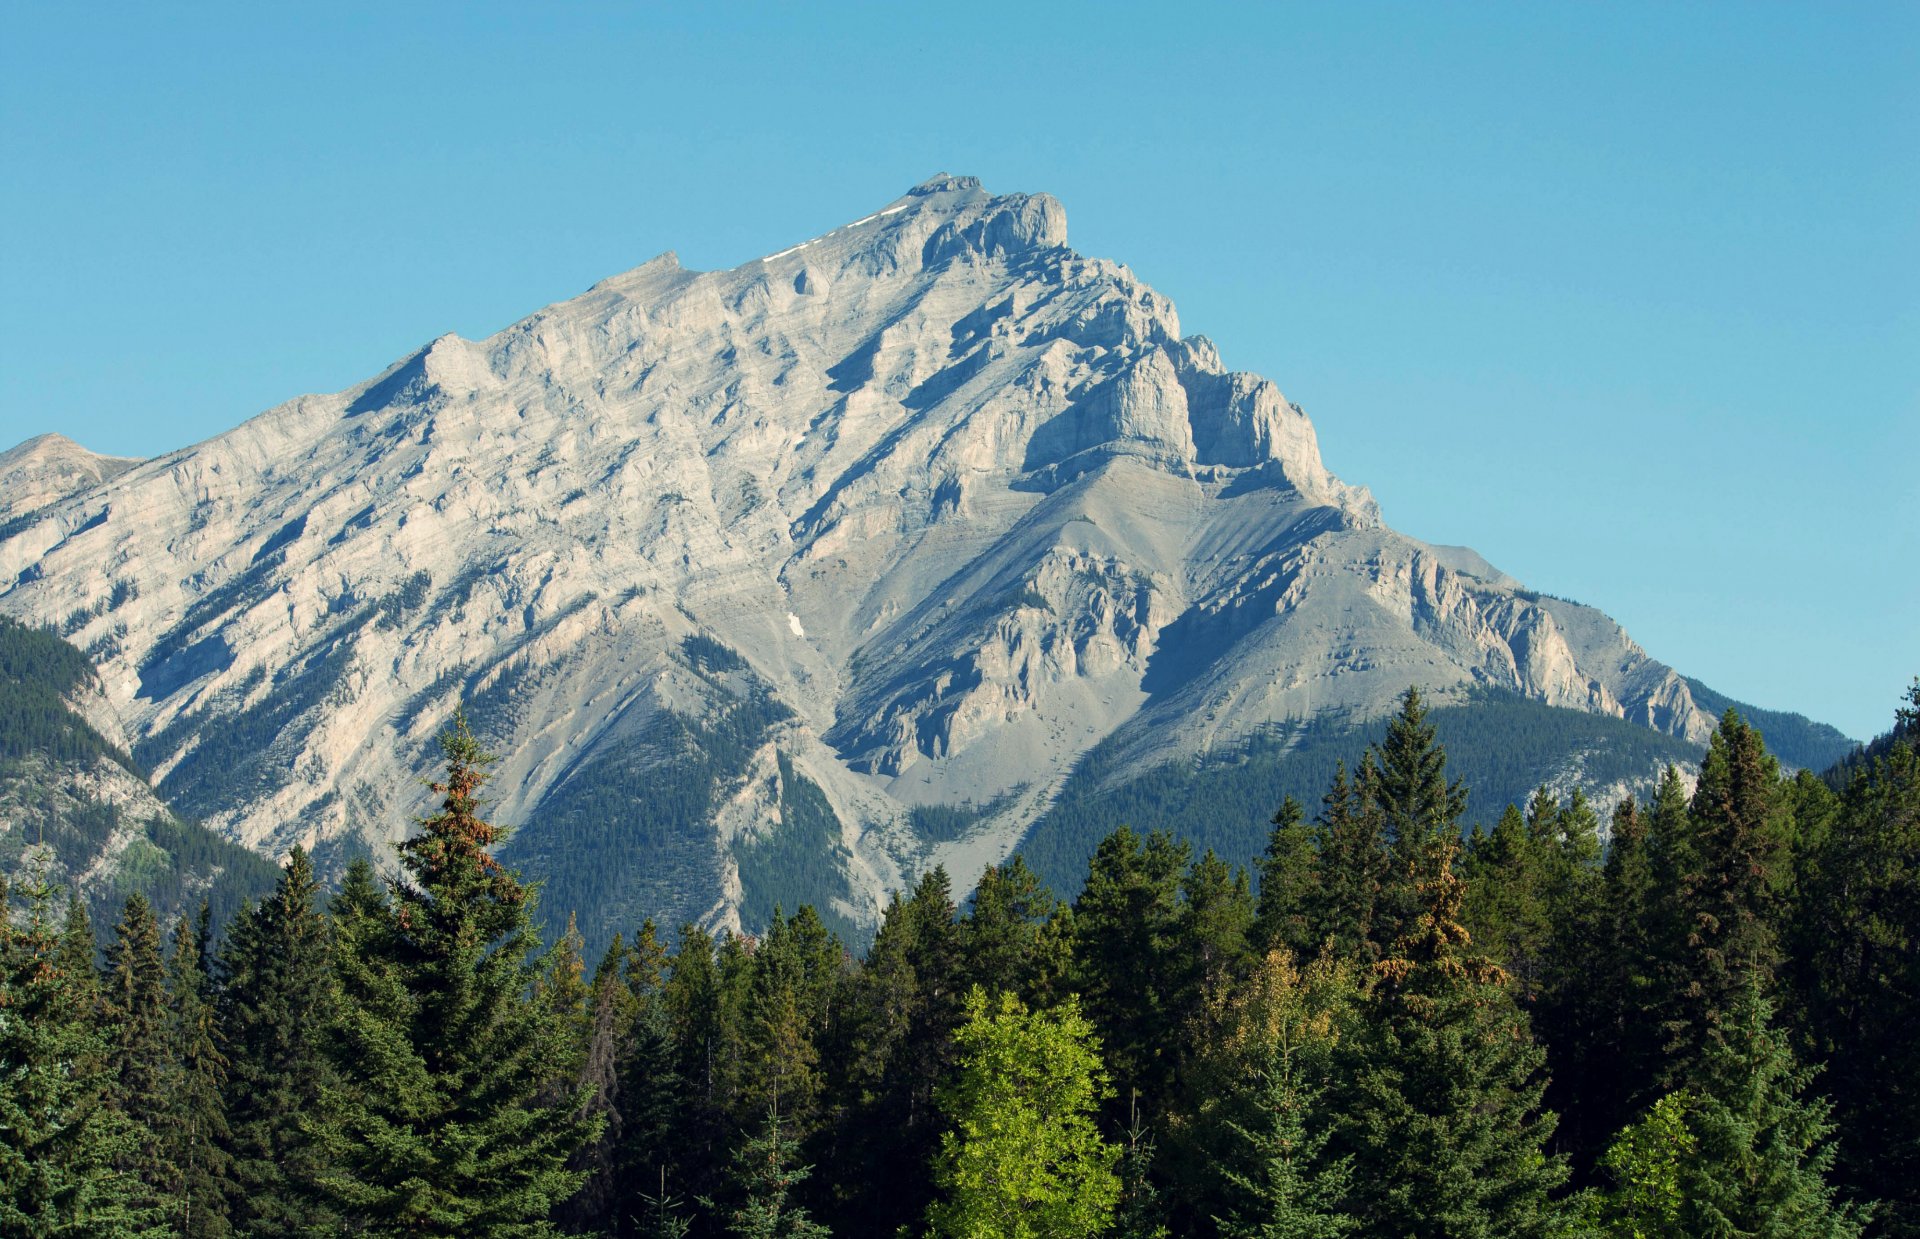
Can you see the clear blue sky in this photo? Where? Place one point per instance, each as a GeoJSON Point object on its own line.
{"type": "Point", "coordinates": [1625, 296]}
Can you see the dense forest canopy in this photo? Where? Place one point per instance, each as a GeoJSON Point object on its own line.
{"type": "Point", "coordinates": [1698, 1018]}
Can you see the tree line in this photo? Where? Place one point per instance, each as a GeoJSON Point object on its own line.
{"type": "Point", "coordinates": [1704, 1027]}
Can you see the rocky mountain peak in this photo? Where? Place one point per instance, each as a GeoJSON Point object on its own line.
{"type": "Point", "coordinates": [907, 515]}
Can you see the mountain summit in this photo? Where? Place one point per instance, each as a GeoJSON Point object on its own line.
{"type": "Point", "coordinates": [773, 583]}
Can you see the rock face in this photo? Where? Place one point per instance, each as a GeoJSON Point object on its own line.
{"type": "Point", "coordinates": [911, 514]}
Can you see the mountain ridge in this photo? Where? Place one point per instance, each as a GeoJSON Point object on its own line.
{"type": "Point", "coordinates": [956, 502]}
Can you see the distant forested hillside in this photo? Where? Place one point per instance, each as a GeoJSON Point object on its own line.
{"type": "Point", "coordinates": [1502, 745]}
{"type": "Point", "coordinates": [75, 806]}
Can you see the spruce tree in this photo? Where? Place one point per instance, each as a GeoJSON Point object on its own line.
{"type": "Point", "coordinates": [765, 1175]}
{"type": "Point", "coordinates": [1289, 873]}
{"type": "Point", "coordinates": [1857, 972]}
{"type": "Point", "coordinates": [1016, 936]}
{"type": "Point", "coordinates": [1724, 893]}
{"type": "Point", "coordinates": [1347, 913]}
{"type": "Point", "coordinates": [1765, 1147]}
{"type": "Point", "coordinates": [1281, 1180]}
{"type": "Point", "coordinates": [1442, 1108]}
{"type": "Point", "coordinates": [140, 1053]}
{"type": "Point", "coordinates": [275, 1002]}
{"type": "Point", "coordinates": [1126, 965]}
{"type": "Point", "coordinates": [611, 1011]}
{"type": "Point", "coordinates": [440, 1119]}
{"type": "Point", "coordinates": [897, 1045]}
{"type": "Point", "coordinates": [63, 1144]}
{"type": "Point", "coordinates": [197, 1133]}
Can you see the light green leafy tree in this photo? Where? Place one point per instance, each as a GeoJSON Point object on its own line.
{"type": "Point", "coordinates": [1647, 1163]}
{"type": "Point", "coordinates": [1024, 1159]}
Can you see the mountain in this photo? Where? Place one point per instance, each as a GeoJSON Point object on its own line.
{"type": "Point", "coordinates": [76, 811]}
{"type": "Point", "coordinates": [782, 582]}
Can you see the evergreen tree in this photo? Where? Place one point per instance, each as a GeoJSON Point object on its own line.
{"type": "Point", "coordinates": [1285, 1183]}
{"type": "Point", "coordinates": [612, 1010]}
{"type": "Point", "coordinates": [1289, 873]}
{"type": "Point", "coordinates": [1346, 914]}
{"type": "Point", "coordinates": [1572, 1017]}
{"type": "Point", "coordinates": [1024, 1158]}
{"type": "Point", "coordinates": [1624, 1060]}
{"type": "Point", "coordinates": [1724, 893]}
{"type": "Point", "coordinates": [765, 1176]}
{"type": "Point", "coordinates": [1126, 966]}
{"type": "Point", "coordinates": [62, 1143]}
{"type": "Point", "coordinates": [1506, 909]}
{"type": "Point", "coordinates": [1017, 935]}
{"type": "Point", "coordinates": [196, 1133]}
{"type": "Point", "coordinates": [1139, 1213]}
{"type": "Point", "coordinates": [436, 1122]}
{"type": "Point", "coordinates": [1209, 937]}
{"type": "Point", "coordinates": [1764, 1146]}
{"type": "Point", "coordinates": [1443, 1111]}
{"type": "Point", "coordinates": [1857, 972]}
{"type": "Point", "coordinates": [140, 1052]}
{"type": "Point", "coordinates": [274, 1003]}
{"type": "Point", "coordinates": [899, 1018]}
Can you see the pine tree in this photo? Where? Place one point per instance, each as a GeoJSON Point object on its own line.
{"type": "Point", "coordinates": [438, 1121]}
{"type": "Point", "coordinates": [1024, 1157]}
{"type": "Point", "coordinates": [1417, 808]}
{"type": "Point", "coordinates": [196, 1134]}
{"type": "Point", "coordinates": [1442, 1109]}
{"type": "Point", "coordinates": [276, 999]}
{"type": "Point", "coordinates": [62, 1143]}
{"type": "Point", "coordinates": [139, 1052]}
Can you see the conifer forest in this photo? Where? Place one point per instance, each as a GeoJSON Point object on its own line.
{"type": "Point", "coordinates": [1704, 1026]}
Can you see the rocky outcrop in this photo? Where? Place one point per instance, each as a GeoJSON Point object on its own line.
{"type": "Point", "coordinates": [961, 500]}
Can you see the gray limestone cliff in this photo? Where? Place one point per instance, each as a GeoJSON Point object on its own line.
{"type": "Point", "coordinates": [911, 514]}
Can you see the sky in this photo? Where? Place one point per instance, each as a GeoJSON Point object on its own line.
{"type": "Point", "coordinates": [1625, 296]}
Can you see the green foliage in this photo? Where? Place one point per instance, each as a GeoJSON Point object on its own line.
{"type": "Point", "coordinates": [1647, 1164]}
{"type": "Point", "coordinates": [1443, 1086]}
{"type": "Point", "coordinates": [1502, 746]}
{"type": "Point", "coordinates": [38, 675]}
{"type": "Point", "coordinates": [1286, 1182]}
{"type": "Point", "coordinates": [441, 1116]}
{"type": "Point", "coordinates": [276, 1000]}
{"type": "Point", "coordinates": [1794, 738]}
{"type": "Point", "coordinates": [196, 1132]}
{"type": "Point", "coordinates": [1855, 972]}
{"type": "Point", "coordinates": [64, 1146]}
{"type": "Point", "coordinates": [140, 1054]}
{"type": "Point", "coordinates": [1764, 1149]}
{"type": "Point", "coordinates": [1024, 1158]}
{"type": "Point", "coordinates": [765, 1175]}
